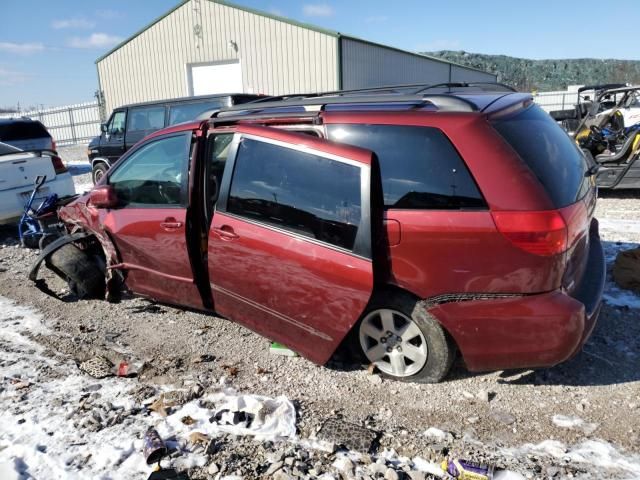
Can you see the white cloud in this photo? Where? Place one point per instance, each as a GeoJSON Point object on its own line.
{"type": "Point", "coordinates": [77, 23]}
{"type": "Point", "coordinates": [11, 77]}
{"type": "Point", "coordinates": [442, 44]}
{"type": "Point", "coordinates": [95, 40]}
{"type": "Point", "coordinates": [21, 48]}
{"type": "Point", "coordinates": [317, 10]}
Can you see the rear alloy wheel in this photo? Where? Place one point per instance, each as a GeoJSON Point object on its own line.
{"type": "Point", "coordinates": [393, 342]}
{"type": "Point", "coordinates": [404, 341]}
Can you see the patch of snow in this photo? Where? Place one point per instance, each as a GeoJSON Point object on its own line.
{"type": "Point", "coordinates": [437, 435]}
{"type": "Point", "coordinates": [613, 294]}
{"type": "Point", "coordinates": [619, 225]}
{"type": "Point", "coordinates": [574, 422]}
{"type": "Point", "coordinates": [39, 405]}
{"type": "Point", "coordinates": [602, 457]}
{"type": "Point", "coordinates": [83, 187]}
{"type": "Point", "coordinates": [618, 297]}
{"type": "Point", "coordinates": [567, 421]}
{"type": "Point", "coordinates": [431, 468]}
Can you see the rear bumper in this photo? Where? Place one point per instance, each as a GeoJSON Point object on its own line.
{"type": "Point", "coordinates": [12, 201]}
{"type": "Point", "coordinates": [529, 331]}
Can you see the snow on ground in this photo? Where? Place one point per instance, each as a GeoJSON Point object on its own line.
{"type": "Point", "coordinates": [43, 434]}
{"type": "Point", "coordinates": [615, 295]}
{"type": "Point", "coordinates": [602, 458]}
{"type": "Point", "coordinates": [619, 234]}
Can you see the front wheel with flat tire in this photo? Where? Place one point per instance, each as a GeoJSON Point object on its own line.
{"type": "Point", "coordinates": [404, 341]}
{"type": "Point", "coordinates": [83, 275]}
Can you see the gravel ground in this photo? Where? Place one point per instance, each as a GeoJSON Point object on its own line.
{"type": "Point", "coordinates": [497, 417]}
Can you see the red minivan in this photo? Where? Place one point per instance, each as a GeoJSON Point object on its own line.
{"type": "Point", "coordinates": [406, 225]}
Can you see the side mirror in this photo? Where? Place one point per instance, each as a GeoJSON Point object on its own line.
{"type": "Point", "coordinates": [103, 196]}
{"type": "Point", "coordinates": [103, 127]}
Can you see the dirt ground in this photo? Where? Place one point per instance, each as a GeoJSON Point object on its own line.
{"type": "Point", "coordinates": [489, 412]}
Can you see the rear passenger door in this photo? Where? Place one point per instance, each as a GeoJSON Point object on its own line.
{"type": "Point", "coordinates": [290, 240]}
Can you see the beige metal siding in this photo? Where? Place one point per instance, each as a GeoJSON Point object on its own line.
{"type": "Point", "coordinates": [276, 57]}
{"type": "Point", "coordinates": [368, 65]}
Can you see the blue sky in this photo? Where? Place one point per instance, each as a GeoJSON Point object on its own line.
{"type": "Point", "coordinates": [48, 48]}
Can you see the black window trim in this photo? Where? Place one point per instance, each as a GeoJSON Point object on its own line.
{"type": "Point", "coordinates": [362, 247]}
{"type": "Point", "coordinates": [184, 203]}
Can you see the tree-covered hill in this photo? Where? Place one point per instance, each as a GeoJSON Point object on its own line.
{"type": "Point", "coordinates": [542, 75]}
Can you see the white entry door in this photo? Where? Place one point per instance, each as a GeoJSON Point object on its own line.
{"type": "Point", "coordinates": [207, 79]}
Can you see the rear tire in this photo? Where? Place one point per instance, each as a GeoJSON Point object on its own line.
{"type": "Point", "coordinates": [404, 341]}
{"type": "Point", "coordinates": [82, 274]}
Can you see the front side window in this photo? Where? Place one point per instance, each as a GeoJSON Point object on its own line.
{"type": "Point", "coordinates": [116, 126]}
{"type": "Point", "coordinates": [307, 194]}
{"type": "Point", "coordinates": [191, 111]}
{"type": "Point", "coordinates": [155, 174]}
{"type": "Point", "coordinates": [144, 119]}
{"type": "Point", "coordinates": [420, 169]}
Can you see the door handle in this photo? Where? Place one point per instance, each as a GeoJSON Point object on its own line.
{"type": "Point", "coordinates": [170, 224]}
{"type": "Point", "coordinates": [225, 232]}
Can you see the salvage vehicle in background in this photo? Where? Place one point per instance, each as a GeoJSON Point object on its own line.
{"type": "Point", "coordinates": [131, 123]}
{"type": "Point", "coordinates": [18, 171]}
{"type": "Point", "coordinates": [25, 134]}
{"type": "Point", "coordinates": [403, 224]}
{"type": "Point", "coordinates": [609, 128]}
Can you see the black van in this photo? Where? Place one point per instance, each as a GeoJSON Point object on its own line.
{"type": "Point", "coordinates": [130, 123]}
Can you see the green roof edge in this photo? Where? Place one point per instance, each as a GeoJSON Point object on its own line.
{"type": "Point", "coordinates": [309, 26]}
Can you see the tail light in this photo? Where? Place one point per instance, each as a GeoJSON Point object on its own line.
{"type": "Point", "coordinates": [53, 145]}
{"type": "Point", "coordinates": [541, 233]}
{"type": "Point", "coordinates": [58, 165]}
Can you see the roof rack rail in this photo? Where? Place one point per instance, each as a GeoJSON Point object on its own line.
{"type": "Point", "coordinates": [397, 88]}
{"type": "Point", "coordinates": [310, 117]}
{"type": "Point", "coordinates": [310, 104]}
{"type": "Point", "coordinates": [450, 86]}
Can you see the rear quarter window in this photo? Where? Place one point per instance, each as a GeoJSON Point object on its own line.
{"type": "Point", "coordinates": [419, 166]}
{"type": "Point", "coordinates": [22, 131]}
{"type": "Point", "coordinates": [548, 151]}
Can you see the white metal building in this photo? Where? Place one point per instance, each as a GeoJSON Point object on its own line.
{"type": "Point", "coordinates": [213, 46]}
